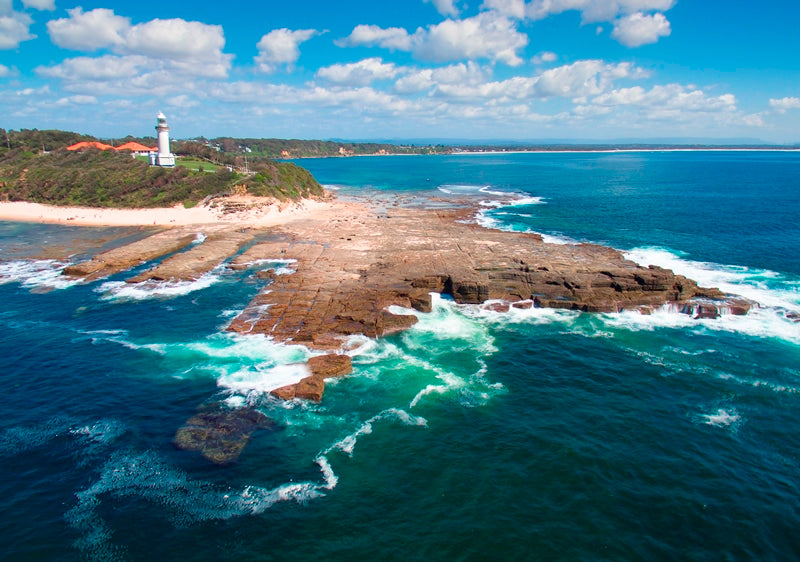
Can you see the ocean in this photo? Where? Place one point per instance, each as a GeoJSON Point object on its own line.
{"type": "Point", "coordinates": [476, 435]}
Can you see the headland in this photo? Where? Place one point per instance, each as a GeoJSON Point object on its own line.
{"type": "Point", "coordinates": [354, 263]}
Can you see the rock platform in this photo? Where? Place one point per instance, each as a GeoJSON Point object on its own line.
{"type": "Point", "coordinates": [349, 270]}
{"type": "Point", "coordinates": [353, 262]}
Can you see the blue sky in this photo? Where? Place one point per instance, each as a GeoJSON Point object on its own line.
{"type": "Point", "coordinates": [360, 69]}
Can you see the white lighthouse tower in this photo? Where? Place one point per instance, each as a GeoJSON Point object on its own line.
{"type": "Point", "coordinates": [164, 156]}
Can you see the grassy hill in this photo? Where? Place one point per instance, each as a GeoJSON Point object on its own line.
{"type": "Point", "coordinates": [108, 179]}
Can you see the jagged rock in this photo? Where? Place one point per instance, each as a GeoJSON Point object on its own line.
{"type": "Point", "coordinates": [352, 269]}
{"type": "Point", "coordinates": [312, 387]}
{"type": "Point", "coordinates": [498, 307]}
{"type": "Point", "coordinates": [331, 365]}
{"type": "Point", "coordinates": [220, 434]}
{"type": "Point", "coordinates": [739, 307]}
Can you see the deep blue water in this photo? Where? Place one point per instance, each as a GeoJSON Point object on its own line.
{"type": "Point", "coordinates": [531, 435]}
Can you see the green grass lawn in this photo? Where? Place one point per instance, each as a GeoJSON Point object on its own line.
{"type": "Point", "coordinates": [194, 164]}
{"type": "Point", "coordinates": [190, 163]}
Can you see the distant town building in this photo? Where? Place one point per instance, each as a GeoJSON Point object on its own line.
{"type": "Point", "coordinates": [164, 157]}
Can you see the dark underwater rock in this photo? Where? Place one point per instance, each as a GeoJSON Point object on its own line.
{"type": "Point", "coordinates": [220, 434]}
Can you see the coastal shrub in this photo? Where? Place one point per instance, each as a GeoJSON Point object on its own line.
{"type": "Point", "coordinates": [98, 178]}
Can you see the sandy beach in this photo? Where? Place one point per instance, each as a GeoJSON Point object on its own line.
{"type": "Point", "coordinates": [244, 211]}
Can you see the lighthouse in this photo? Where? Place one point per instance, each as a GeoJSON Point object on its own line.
{"type": "Point", "coordinates": [164, 157]}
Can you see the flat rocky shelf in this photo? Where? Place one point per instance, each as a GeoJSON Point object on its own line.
{"type": "Point", "coordinates": [353, 262]}
{"type": "Point", "coordinates": [351, 269]}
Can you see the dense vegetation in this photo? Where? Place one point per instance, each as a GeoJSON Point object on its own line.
{"type": "Point", "coordinates": [109, 179]}
{"type": "Point", "coordinates": [293, 148]}
{"type": "Point", "coordinates": [36, 140]}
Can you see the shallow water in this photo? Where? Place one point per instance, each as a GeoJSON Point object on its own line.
{"type": "Point", "coordinates": [537, 434]}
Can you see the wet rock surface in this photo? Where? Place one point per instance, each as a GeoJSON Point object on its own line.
{"type": "Point", "coordinates": [195, 262]}
{"type": "Point", "coordinates": [351, 269]}
{"type": "Point", "coordinates": [312, 387]}
{"type": "Point", "coordinates": [353, 262]}
{"type": "Point", "coordinates": [131, 255]}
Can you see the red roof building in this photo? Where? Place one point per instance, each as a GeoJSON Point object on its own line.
{"type": "Point", "coordinates": [135, 147]}
{"type": "Point", "coordinates": [86, 145]}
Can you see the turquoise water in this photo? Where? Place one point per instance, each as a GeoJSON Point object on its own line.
{"type": "Point", "coordinates": [536, 434]}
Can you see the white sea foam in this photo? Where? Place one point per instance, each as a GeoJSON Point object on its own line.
{"type": "Point", "coordinates": [185, 501]}
{"type": "Point", "coordinates": [765, 287]}
{"type": "Point", "coordinates": [758, 323]}
{"type": "Point", "coordinates": [262, 380]}
{"type": "Point", "coordinates": [347, 444]}
{"type": "Point", "coordinates": [199, 238]}
{"type": "Point", "coordinates": [122, 291]}
{"type": "Point", "coordinates": [777, 298]}
{"type": "Point", "coordinates": [532, 315]}
{"type": "Point", "coordinates": [37, 274]}
{"type": "Point", "coordinates": [450, 382]}
{"type": "Point", "coordinates": [449, 328]}
{"type": "Point", "coordinates": [722, 418]}
{"type": "Point", "coordinates": [244, 364]}
{"type": "Point", "coordinates": [446, 322]}
{"type": "Point", "coordinates": [462, 188]}
{"type": "Point", "coordinates": [277, 266]}
{"type": "Point", "coordinates": [91, 437]}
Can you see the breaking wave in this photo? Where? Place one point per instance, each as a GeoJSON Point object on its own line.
{"type": "Point", "coordinates": [37, 274]}
{"type": "Point", "coordinates": [123, 291]}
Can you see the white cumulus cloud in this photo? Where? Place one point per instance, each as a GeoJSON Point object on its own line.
{"type": "Point", "coordinates": [668, 100]}
{"type": "Point", "coordinates": [510, 8]}
{"type": "Point", "coordinates": [577, 80]}
{"type": "Point", "coordinates": [48, 5]}
{"type": "Point", "coordinates": [595, 10]}
{"type": "Point", "coordinates": [106, 67]}
{"type": "Point", "coordinates": [89, 31]}
{"type": "Point", "coordinates": [188, 47]}
{"type": "Point", "coordinates": [640, 29]}
{"type": "Point", "coordinates": [394, 38]}
{"type": "Point", "coordinates": [445, 7]}
{"type": "Point", "coordinates": [14, 27]}
{"type": "Point", "coordinates": [4, 71]}
{"type": "Point", "coordinates": [784, 104]}
{"type": "Point", "coordinates": [469, 74]}
{"type": "Point", "coordinates": [584, 78]}
{"type": "Point", "coordinates": [635, 24]}
{"type": "Point", "coordinates": [76, 100]}
{"type": "Point", "coordinates": [157, 56]}
{"type": "Point", "coordinates": [360, 73]}
{"type": "Point", "coordinates": [544, 57]}
{"type": "Point", "coordinates": [488, 35]}
{"type": "Point", "coordinates": [176, 39]}
{"type": "Point", "coordinates": [281, 47]}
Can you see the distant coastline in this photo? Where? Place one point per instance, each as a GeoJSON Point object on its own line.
{"type": "Point", "coordinates": [578, 149]}
{"type": "Point", "coordinates": [624, 150]}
